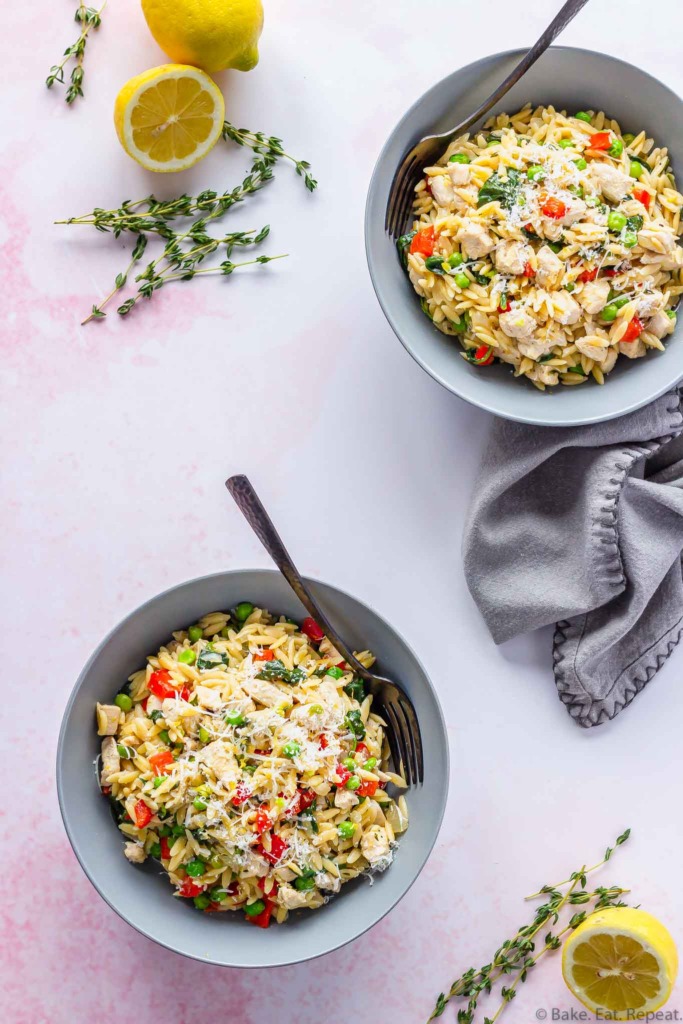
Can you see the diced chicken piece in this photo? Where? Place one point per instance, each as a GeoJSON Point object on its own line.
{"type": "Point", "coordinates": [135, 853]}
{"type": "Point", "coordinates": [648, 303]}
{"type": "Point", "coordinates": [633, 349]}
{"type": "Point", "coordinates": [459, 173]}
{"type": "Point", "coordinates": [254, 864]}
{"type": "Point", "coordinates": [667, 261]}
{"type": "Point", "coordinates": [111, 762]}
{"type": "Point", "coordinates": [545, 375]}
{"type": "Point", "coordinates": [549, 268]}
{"type": "Point", "coordinates": [612, 182]}
{"type": "Point", "coordinates": [661, 324]}
{"type": "Point", "coordinates": [576, 209]}
{"type": "Point", "coordinates": [328, 650]}
{"type": "Point", "coordinates": [657, 237]}
{"type": "Point", "coordinates": [593, 296]}
{"type": "Point", "coordinates": [566, 309]}
{"type": "Point", "coordinates": [310, 716]}
{"type": "Point", "coordinates": [534, 348]}
{"type": "Point", "coordinates": [222, 762]}
{"type": "Point", "coordinates": [517, 323]}
{"type": "Point", "coordinates": [291, 898]}
{"type": "Point", "coordinates": [590, 347]}
{"type": "Point", "coordinates": [345, 799]}
{"type": "Point", "coordinates": [511, 257]}
{"type": "Point", "coordinates": [328, 882]}
{"type": "Point", "coordinates": [551, 228]}
{"type": "Point", "coordinates": [442, 190]}
{"type": "Point", "coordinates": [108, 718]}
{"type": "Point", "coordinates": [263, 692]}
{"type": "Point", "coordinates": [153, 704]}
{"type": "Point", "coordinates": [329, 695]}
{"type": "Point", "coordinates": [208, 698]}
{"type": "Point", "coordinates": [375, 844]}
{"type": "Point", "coordinates": [475, 240]}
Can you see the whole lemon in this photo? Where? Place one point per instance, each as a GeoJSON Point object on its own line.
{"type": "Point", "coordinates": [211, 34]}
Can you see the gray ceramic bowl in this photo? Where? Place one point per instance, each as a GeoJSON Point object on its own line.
{"type": "Point", "coordinates": [141, 895]}
{"type": "Point", "coordinates": [569, 79]}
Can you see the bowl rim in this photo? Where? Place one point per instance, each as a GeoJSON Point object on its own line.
{"type": "Point", "coordinates": [63, 799]}
{"type": "Point", "coordinates": [491, 406]}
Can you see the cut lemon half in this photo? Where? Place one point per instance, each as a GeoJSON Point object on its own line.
{"type": "Point", "coordinates": [169, 117]}
{"type": "Point", "coordinates": [622, 962]}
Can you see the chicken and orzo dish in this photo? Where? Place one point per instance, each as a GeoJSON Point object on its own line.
{"type": "Point", "coordinates": [245, 757]}
{"type": "Point", "coordinates": [549, 242]}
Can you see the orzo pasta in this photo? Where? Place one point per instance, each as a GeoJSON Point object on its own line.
{"type": "Point", "coordinates": [549, 242]}
{"type": "Point", "coordinates": [246, 758]}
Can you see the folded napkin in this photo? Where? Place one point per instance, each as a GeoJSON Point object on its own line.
{"type": "Point", "coordinates": [583, 527]}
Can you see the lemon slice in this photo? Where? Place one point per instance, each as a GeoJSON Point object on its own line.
{"type": "Point", "coordinates": [622, 961]}
{"type": "Point", "coordinates": [169, 117]}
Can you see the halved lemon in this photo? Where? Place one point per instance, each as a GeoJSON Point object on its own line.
{"type": "Point", "coordinates": [620, 960]}
{"type": "Point", "coordinates": [169, 117]}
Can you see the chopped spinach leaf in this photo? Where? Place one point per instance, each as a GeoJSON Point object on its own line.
{"type": "Point", "coordinates": [506, 191]}
{"type": "Point", "coordinates": [211, 659]}
{"type": "Point", "coordinates": [403, 246]}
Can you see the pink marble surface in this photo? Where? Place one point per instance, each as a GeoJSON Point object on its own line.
{"type": "Point", "coordinates": [118, 437]}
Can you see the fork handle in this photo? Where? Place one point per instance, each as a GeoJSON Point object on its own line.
{"type": "Point", "coordinates": [253, 511]}
{"type": "Point", "coordinates": [566, 14]}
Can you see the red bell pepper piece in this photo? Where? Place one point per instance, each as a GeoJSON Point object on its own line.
{"type": "Point", "coordinates": [273, 891]}
{"type": "Point", "coordinates": [312, 630]}
{"type": "Point", "coordinates": [262, 920]}
{"type": "Point", "coordinates": [343, 666]}
{"type": "Point", "coordinates": [162, 763]}
{"type": "Point", "coordinates": [303, 799]}
{"type": "Point", "coordinates": [143, 814]}
{"type": "Point", "coordinates": [343, 774]}
{"type": "Point", "coordinates": [189, 889]}
{"type": "Point", "coordinates": [529, 270]}
{"type": "Point", "coordinates": [277, 848]}
{"type": "Point", "coordinates": [165, 848]}
{"type": "Point", "coordinates": [483, 356]}
{"type": "Point", "coordinates": [553, 208]}
{"type": "Point", "coordinates": [106, 790]}
{"type": "Point", "coordinates": [160, 684]}
{"type": "Point", "coordinates": [241, 795]}
{"type": "Point", "coordinates": [633, 331]}
{"type": "Point", "coordinates": [423, 242]}
{"type": "Point", "coordinates": [642, 196]}
{"type": "Point", "coordinates": [184, 694]}
{"type": "Point", "coordinates": [601, 140]}
{"type": "Point", "coordinates": [266, 655]}
{"type": "Point", "coordinates": [611, 272]}
{"type": "Point", "coordinates": [368, 787]}
{"type": "Point", "coordinates": [504, 306]}
{"type": "Point", "coordinates": [144, 704]}
{"type": "Point", "coordinates": [588, 275]}
{"type": "Point", "coordinates": [322, 742]}
{"type": "Point", "coordinates": [361, 748]}
{"type": "Point", "coordinates": [263, 822]}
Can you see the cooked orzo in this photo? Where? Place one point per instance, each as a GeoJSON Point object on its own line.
{"type": "Point", "coordinates": [549, 242]}
{"type": "Point", "coordinates": [246, 758]}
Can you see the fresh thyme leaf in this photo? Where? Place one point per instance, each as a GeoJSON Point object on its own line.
{"type": "Point", "coordinates": [88, 18]}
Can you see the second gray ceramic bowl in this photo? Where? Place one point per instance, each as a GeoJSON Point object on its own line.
{"type": "Point", "coordinates": [569, 79]}
{"type": "Point", "coordinates": [141, 895]}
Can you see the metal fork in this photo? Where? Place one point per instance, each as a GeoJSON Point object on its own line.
{"type": "Point", "coordinates": [432, 146]}
{"type": "Point", "coordinates": [403, 730]}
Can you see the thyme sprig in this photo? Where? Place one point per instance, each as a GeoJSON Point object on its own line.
{"type": "Point", "coordinates": [185, 248]}
{"type": "Point", "coordinates": [518, 955]}
{"type": "Point", "coordinates": [88, 18]}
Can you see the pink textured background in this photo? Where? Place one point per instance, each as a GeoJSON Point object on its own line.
{"type": "Point", "coordinates": [117, 439]}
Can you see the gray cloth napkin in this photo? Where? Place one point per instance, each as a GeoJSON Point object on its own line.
{"type": "Point", "coordinates": [583, 527]}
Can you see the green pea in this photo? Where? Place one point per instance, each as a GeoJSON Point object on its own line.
{"type": "Point", "coordinates": [462, 281]}
{"type": "Point", "coordinates": [671, 313]}
{"type": "Point", "coordinates": [346, 829]}
{"type": "Point", "coordinates": [225, 632]}
{"type": "Point", "coordinates": [125, 752]}
{"type": "Point", "coordinates": [370, 764]}
{"type": "Point", "coordinates": [195, 867]}
{"type": "Point", "coordinates": [243, 610]}
{"type": "Point", "coordinates": [158, 780]}
{"type": "Point", "coordinates": [291, 749]}
{"type": "Point", "coordinates": [581, 115]}
{"type": "Point", "coordinates": [566, 143]}
{"type": "Point", "coordinates": [218, 895]}
{"type": "Point", "coordinates": [335, 672]}
{"type": "Point", "coordinates": [216, 861]}
{"type": "Point", "coordinates": [199, 805]}
{"type": "Point", "coordinates": [616, 221]}
{"type": "Point", "coordinates": [123, 701]}
{"type": "Point", "coordinates": [349, 763]}
{"type": "Point", "coordinates": [581, 163]}
{"type": "Point", "coordinates": [164, 737]}
{"type": "Point", "coordinates": [636, 169]}
{"type": "Point", "coordinates": [188, 656]}
{"type": "Point", "coordinates": [254, 909]}
{"type": "Point", "coordinates": [235, 718]}
{"type": "Point", "coordinates": [155, 850]}
{"type": "Point", "coordinates": [617, 148]}
{"type": "Point", "coordinates": [455, 259]}
{"type": "Point", "coordinates": [592, 201]}
{"type": "Point", "coordinates": [628, 138]}
{"type": "Point", "coordinates": [460, 326]}
{"type": "Point", "coordinates": [459, 158]}
{"type": "Point", "coordinates": [195, 633]}
{"type": "Point", "coordinates": [492, 142]}
{"type": "Point", "coordinates": [316, 709]}
{"type": "Point", "coordinates": [166, 831]}
{"type": "Point", "coordinates": [556, 246]}
{"type": "Point", "coordinates": [609, 313]}
{"type": "Point", "coordinates": [570, 287]}
{"type": "Point", "coordinates": [576, 190]}
{"type": "Point", "coordinates": [178, 830]}
{"type": "Point", "coordinates": [353, 783]}
{"type": "Point", "coordinates": [204, 734]}
{"type": "Point", "coordinates": [304, 882]}
{"type": "Point", "coordinates": [536, 173]}
{"type": "Point", "coordinates": [630, 238]}
{"type": "Point", "coordinates": [202, 901]}
{"type": "Point", "coordinates": [620, 301]}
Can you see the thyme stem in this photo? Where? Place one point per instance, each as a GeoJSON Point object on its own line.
{"type": "Point", "coordinates": [88, 18]}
